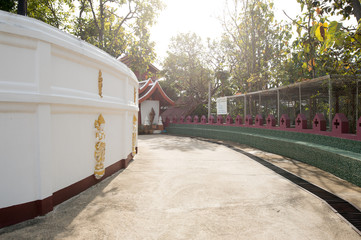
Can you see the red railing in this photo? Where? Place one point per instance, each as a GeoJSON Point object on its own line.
{"type": "Point", "coordinates": [340, 124]}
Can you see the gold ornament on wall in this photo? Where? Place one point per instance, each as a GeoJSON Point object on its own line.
{"type": "Point", "coordinates": [99, 153]}
{"type": "Point", "coordinates": [134, 135]}
{"type": "Point", "coordinates": [100, 83]}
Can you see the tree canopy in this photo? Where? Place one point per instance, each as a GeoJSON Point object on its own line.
{"type": "Point", "coordinates": [185, 69]}
{"type": "Point", "coordinates": [255, 52]}
{"type": "Point", "coordinates": [327, 46]}
{"type": "Point", "coordinates": [256, 45]}
{"type": "Point", "coordinates": [116, 26]}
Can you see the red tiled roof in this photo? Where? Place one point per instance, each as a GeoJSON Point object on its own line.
{"type": "Point", "coordinates": [144, 85]}
{"type": "Point", "coordinates": [149, 89]}
{"type": "Point", "coordinates": [153, 90]}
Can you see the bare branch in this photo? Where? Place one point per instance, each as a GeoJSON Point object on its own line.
{"type": "Point", "coordinates": [94, 15]}
{"type": "Point", "coordinates": [130, 15]}
{"type": "Point", "coordinates": [294, 21]}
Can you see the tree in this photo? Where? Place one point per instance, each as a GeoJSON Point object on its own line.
{"type": "Point", "coordinates": [184, 68]}
{"type": "Point", "coordinates": [191, 67]}
{"type": "Point", "coordinates": [102, 25]}
{"type": "Point", "coordinates": [7, 5]}
{"type": "Point", "coordinates": [215, 60]}
{"type": "Point", "coordinates": [306, 42]}
{"type": "Point", "coordinates": [57, 13]}
{"type": "Point", "coordinates": [346, 8]}
{"type": "Point", "coordinates": [256, 44]}
{"type": "Point", "coordinates": [324, 46]}
{"type": "Point", "coordinates": [116, 26]}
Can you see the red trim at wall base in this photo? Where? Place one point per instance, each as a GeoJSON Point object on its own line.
{"type": "Point", "coordinates": [21, 212]}
{"type": "Point", "coordinates": [25, 211]}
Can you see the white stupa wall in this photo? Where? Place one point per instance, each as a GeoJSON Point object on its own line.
{"type": "Point", "coordinates": [49, 101]}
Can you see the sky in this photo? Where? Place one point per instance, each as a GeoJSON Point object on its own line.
{"type": "Point", "coordinates": [200, 17]}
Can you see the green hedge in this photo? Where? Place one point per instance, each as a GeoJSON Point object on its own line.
{"type": "Point", "coordinates": [341, 157]}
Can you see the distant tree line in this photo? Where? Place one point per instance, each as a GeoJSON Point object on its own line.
{"type": "Point", "coordinates": [116, 26]}
{"type": "Point", "coordinates": [257, 52]}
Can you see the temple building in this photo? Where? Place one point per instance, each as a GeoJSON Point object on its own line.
{"type": "Point", "coordinates": [153, 101]}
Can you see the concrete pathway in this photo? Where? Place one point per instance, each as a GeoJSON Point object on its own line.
{"type": "Point", "coordinates": [184, 188]}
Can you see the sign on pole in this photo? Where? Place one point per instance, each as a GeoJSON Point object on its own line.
{"type": "Point", "coordinates": [221, 106]}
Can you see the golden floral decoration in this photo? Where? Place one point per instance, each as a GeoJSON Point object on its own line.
{"type": "Point", "coordinates": [99, 153]}
{"type": "Point", "coordinates": [100, 83]}
{"type": "Point", "coordinates": [134, 135]}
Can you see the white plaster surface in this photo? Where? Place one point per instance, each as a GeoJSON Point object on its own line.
{"type": "Point", "coordinates": [146, 108]}
{"type": "Point", "coordinates": [48, 104]}
{"type": "Point", "coordinates": [18, 147]}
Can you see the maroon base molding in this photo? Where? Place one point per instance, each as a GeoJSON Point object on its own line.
{"type": "Point", "coordinates": [21, 212]}
{"type": "Point", "coordinates": [18, 213]}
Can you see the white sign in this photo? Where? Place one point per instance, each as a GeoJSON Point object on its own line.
{"type": "Point", "coordinates": [221, 106]}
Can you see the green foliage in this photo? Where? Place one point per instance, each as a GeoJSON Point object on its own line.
{"type": "Point", "coordinates": [185, 69]}
{"type": "Point", "coordinates": [117, 34]}
{"type": "Point", "coordinates": [116, 26]}
{"type": "Point", "coordinates": [216, 60]}
{"type": "Point", "coordinates": [170, 88]}
{"type": "Point", "coordinates": [256, 45]}
{"type": "Point", "coordinates": [7, 5]}
{"type": "Point", "coordinates": [54, 12]}
{"type": "Point", "coordinates": [344, 8]}
{"type": "Point", "coordinates": [326, 47]}
{"type": "Point", "coordinates": [191, 66]}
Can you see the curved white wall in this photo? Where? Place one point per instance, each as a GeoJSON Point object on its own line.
{"type": "Point", "coordinates": [48, 104]}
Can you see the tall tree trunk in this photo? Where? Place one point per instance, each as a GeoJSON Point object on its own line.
{"type": "Point", "coordinates": [312, 50]}
{"type": "Point", "coordinates": [82, 8]}
{"type": "Point", "coordinates": [253, 40]}
{"type": "Point", "coordinates": [356, 9]}
{"type": "Point", "coordinates": [101, 32]}
{"type": "Point", "coordinates": [337, 102]}
{"type": "Point", "coordinates": [22, 7]}
{"type": "Point", "coordinates": [100, 35]}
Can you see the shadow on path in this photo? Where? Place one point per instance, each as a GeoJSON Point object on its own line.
{"type": "Point", "coordinates": [344, 208]}
{"type": "Point", "coordinates": [58, 221]}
